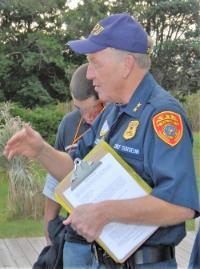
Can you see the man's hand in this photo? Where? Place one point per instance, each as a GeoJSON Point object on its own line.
{"type": "Point", "coordinates": [87, 220]}
{"type": "Point", "coordinates": [26, 142]}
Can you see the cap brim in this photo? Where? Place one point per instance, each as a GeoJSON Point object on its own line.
{"type": "Point", "coordinates": [84, 46]}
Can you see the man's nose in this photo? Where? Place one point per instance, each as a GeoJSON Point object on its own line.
{"type": "Point", "coordinates": [90, 72]}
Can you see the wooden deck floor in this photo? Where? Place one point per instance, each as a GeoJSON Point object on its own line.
{"type": "Point", "coordinates": [23, 252]}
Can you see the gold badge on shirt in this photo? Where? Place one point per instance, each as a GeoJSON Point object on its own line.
{"type": "Point", "coordinates": [131, 129]}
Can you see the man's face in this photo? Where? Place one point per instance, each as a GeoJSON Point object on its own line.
{"type": "Point", "coordinates": [105, 69]}
{"type": "Point", "coordinates": [89, 108]}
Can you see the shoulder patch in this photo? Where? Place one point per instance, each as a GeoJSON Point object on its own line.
{"type": "Point", "coordinates": [169, 127]}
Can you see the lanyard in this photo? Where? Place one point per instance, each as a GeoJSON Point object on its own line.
{"type": "Point", "coordinates": [76, 135]}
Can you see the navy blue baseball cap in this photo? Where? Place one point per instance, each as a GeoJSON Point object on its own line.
{"type": "Point", "coordinates": [119, 31]}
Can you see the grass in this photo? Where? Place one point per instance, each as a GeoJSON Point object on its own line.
{"type": "Point", "coordinates": [10, 228]}
{"type": "Point", "coordinates": [21, 228]}
{"type": "Point", "coordinates": [24, 189]}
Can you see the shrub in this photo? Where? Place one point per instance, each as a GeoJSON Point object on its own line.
{"type": "Point", "coordinates": [24, 191]}
{"type": "Point", "coordinates": [43, 119]}
{"type": "Point", "coordinates": [192, 108]}
{"type": "Point", "coordinates": [25, 176]}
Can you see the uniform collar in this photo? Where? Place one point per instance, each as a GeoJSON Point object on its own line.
{"type": "Point", "coordinates": [140, 97]}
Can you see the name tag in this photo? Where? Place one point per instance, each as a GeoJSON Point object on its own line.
{"type": "Point", "coordinates": [124, 148]}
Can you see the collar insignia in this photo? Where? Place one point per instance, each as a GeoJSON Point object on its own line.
{"type": "Point", "coordinates": [137, 107]}
{"type": "Point", "coordinates": [105, 128]}
{"type": "Point", "coordinates": [131, 129]}
{"type": "Point", "coordinates": [169, 127]}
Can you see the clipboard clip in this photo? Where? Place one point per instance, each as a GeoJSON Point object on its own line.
{"type": "Point", "coordinates": [82, 169]}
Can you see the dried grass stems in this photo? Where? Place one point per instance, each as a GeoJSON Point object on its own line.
{"type": "Point", "coordinates": [24, 195]}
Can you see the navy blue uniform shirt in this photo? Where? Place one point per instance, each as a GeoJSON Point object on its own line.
{"type": "Point", "coordinates": [67, 129]}
{"type": "Point", "coordinates": [169, 170]}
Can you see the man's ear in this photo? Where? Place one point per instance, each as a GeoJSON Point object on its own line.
{"type": "Point", "coordinates": [129, 64]}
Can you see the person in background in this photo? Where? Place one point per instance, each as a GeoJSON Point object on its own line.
{"type": "Point", "coordinates": [150, 131]}
{"type": "Point", "coordinates": [72, 127]}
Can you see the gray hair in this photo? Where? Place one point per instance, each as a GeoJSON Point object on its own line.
{"type": "Point", "coordinates": [80, 87]}
{"type": "Point", "coordinates": [143, 60]}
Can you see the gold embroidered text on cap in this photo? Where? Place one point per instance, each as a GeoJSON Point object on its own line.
{"type": "Point", "coordinates": [98, 28]}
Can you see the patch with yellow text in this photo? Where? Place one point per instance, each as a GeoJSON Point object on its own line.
{"type": "Point", "coordinates": [98, 28]}
{"type": "Point", "coordinates": [169, 127]}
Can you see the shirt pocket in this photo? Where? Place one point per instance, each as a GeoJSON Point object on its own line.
{"type": "Point", "coordinates": [132, 155]}
{"type": "Point", "coordinates": [129, 150]}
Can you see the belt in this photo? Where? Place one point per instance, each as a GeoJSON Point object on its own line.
{"type": "Point", "coordinates": [144, 255]}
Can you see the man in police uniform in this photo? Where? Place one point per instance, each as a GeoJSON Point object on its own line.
{"type": "Point", "coordinates": [147, 127]}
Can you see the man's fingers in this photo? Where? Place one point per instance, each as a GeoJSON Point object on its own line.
{"type": "Point", "coordinates": [13, 144]}
{"type": "Point", "coordinates": [67, 221]}
{"type": "Point", "coordinates": [8, 153]}
{"type": "Point", "coordinates": [17, 138]}
{"type": "Point", "coordinates": [28, 129]}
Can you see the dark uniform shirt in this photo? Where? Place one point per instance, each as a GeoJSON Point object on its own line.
{"type": "Point", "coordinates": [65, 135]}
{"type": "Point", "coordinates": [67, 129]}
{"type": "Point", "coordinates": [168, 169]}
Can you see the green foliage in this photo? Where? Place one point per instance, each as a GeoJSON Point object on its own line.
{"type": "Point", "coordinates": [24, 191]}
{"type": "Point", "coordinates": [34, 33]}
{"type": "Point", "coordinates": [33, 93]}
{"type": "Point", "coordinates": [44, 119]}
{"type": "Point", "coordinates": [20, 227]}
{"type": "Point", "coordinates": [176, 66]}
{"type": "Point", "coordinates": [31, 47]}
{"type": "Point", "coordinates": [192, 107]}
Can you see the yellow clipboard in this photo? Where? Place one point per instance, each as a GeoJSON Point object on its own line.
{"type": "Point", "coordinates": [101, 150]}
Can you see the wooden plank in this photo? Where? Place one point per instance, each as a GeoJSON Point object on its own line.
{"type": "Point", "coordinates": [17, 253]}
{"type": "Point", "coordinates": [29, 252]}
{"type": "Point", "coordinates": [184, 249]}
{"type": "Point", "coordinates": [5, 256]}
{"type": "Point", "coordinates": [38, 243]}
{"type": "Point", "coordinates": [23, 252]}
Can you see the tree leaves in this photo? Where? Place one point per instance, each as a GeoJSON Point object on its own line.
{"type": "Point", "coordinates": [33, 35]}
